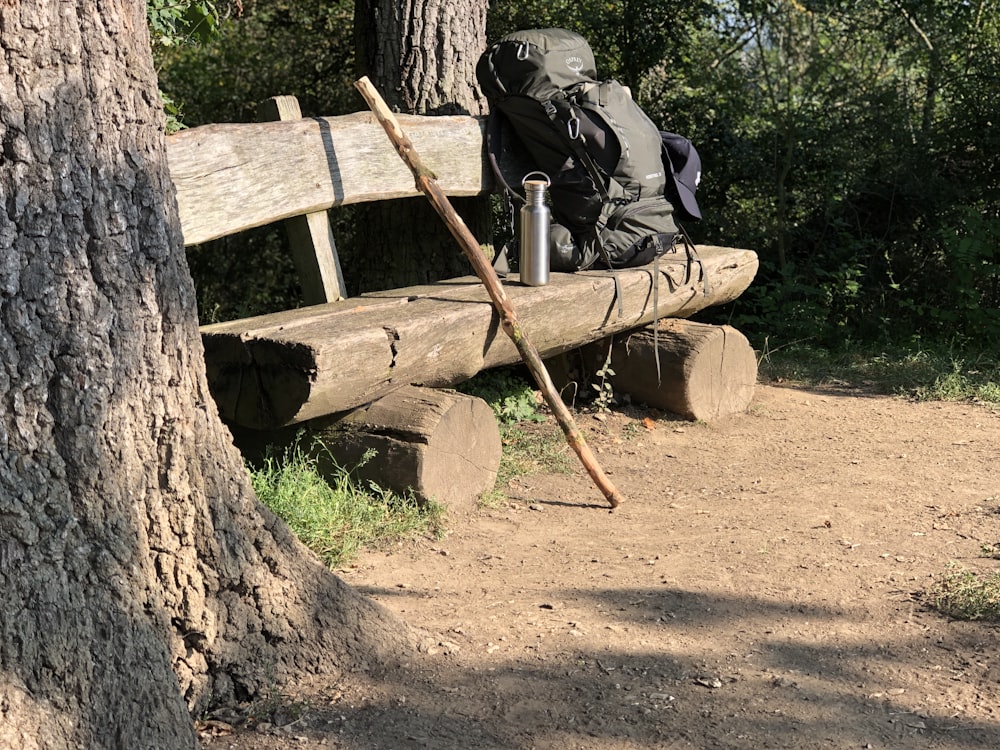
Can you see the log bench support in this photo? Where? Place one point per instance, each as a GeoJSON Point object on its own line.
{"type": "Point", "coordinates": [443, 445]}
{"type": "Point", "coordinates": [440, 444]}
{"type": "Point", "coordinates": [706, 371]}
{"type": "Point", "coordinates": [310, 237]}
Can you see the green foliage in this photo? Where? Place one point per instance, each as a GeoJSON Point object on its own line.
{"type": "Point", "coordinates": [179, 22]}
{"type": "Point", "coordinates": [183, 23]}
{"type": "Point", "coordinates": [274, 47]}
{"type": "Point", "coordinates": [509, 394]}
{"type": "Point", "coordinates": [966, 595]}
{"type": "Point", "coordinates": [244, 275]}
{"type": "Point", "coordinates": [970, 281]}
{"type": "Point", "coordinates": [839, 146]}
{"type": "Point", "coordinates": [173, 114]}
{"type": "Point", "coordinates": [627, 38]}
{"type": "Point", "coordinates": [991, 551]}
{"type": "Point", "coordinates": [331, 514]}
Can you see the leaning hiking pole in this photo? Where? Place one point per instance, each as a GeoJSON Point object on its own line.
{"type": "Point", "coordinates": [427, 183]}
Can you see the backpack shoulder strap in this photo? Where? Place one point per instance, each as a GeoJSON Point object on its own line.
{"type": "Point", "coordinates": [494, 150]}
{"type": "Point", "coordinates": [565, 119]}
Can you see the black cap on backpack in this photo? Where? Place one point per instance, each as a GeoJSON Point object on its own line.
{"type": "Point", "coordinates": [685, 165]}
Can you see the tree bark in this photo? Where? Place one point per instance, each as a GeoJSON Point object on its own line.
{"type": "Point", "coordinates": [421, 54]}
{"type": "Point", "coordinates": [140, 579]}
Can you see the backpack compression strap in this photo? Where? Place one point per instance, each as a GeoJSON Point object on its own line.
{"type": "Point", "coordinates": [692, 257]}
{"type": "Point", "coordinates": [493, 128]}
{"type": "Point", "coordinates": [494, 125]}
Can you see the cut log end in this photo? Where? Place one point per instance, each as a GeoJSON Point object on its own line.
{"type": "Point", "coordinates": [706, 371]}
{"type": "Point", "coordinates": [441, 445]}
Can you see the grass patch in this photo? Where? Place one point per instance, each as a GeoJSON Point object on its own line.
{"type": "Point", "coordinates": [966, 595]}
{"type": "Point", "coordinates": [531, 442]}
{"type": "Point", "coordinates": [530, 451]}
{"type": "Point", "coordinates": [331, 514]}
{"type": "Point", "coordinates": [925, 374]}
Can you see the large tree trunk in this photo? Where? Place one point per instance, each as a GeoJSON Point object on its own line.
{"type": "Point", "coordinates": [421, 55]}
{"type": "Point", "coordinates": [139, 577]}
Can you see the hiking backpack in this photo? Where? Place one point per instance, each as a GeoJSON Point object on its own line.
{"type": "Point", "coordinates": [616, 181]}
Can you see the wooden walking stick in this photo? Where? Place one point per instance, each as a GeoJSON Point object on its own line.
{"type": "Point", "coordinates": [427, 184]}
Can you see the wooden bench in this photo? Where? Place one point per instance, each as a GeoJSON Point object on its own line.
{"type": "Point", "coordinates": [336, 354]}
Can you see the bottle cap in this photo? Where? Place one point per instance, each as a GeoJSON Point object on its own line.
{"type": "Point", "coordinates": [536, 183]}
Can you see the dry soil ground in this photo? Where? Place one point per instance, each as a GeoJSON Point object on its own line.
{"type": "Point", "coordinates": [760, 588]}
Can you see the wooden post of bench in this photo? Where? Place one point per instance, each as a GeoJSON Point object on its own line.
{"type": "Point", "coordinates": [309, 236]}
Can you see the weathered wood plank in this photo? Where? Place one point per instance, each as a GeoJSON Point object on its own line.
{"type": "Point", "coordinates": [284, 368]}
{"type": "Point", "coordinates": [231, 177]}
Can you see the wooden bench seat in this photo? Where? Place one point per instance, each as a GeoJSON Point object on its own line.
{"type": "Point", "coordinates": [278, 369]}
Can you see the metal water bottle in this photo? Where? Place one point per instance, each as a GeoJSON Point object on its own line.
{"type": "Point", "coordinates": [534, 238]}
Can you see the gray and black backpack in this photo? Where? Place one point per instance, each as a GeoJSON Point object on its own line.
{"type": "Point", "coordinates": [617, 182]}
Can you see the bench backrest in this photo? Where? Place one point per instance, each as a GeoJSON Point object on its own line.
{"type": "Point", "coordinates": [231, 177]}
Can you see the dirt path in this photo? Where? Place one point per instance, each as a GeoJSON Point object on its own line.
{"type": "Point", "coordinates": [759, 589]}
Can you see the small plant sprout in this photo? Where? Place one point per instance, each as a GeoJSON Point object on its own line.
{"type": "Point", "coordinates": [605, 391]}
